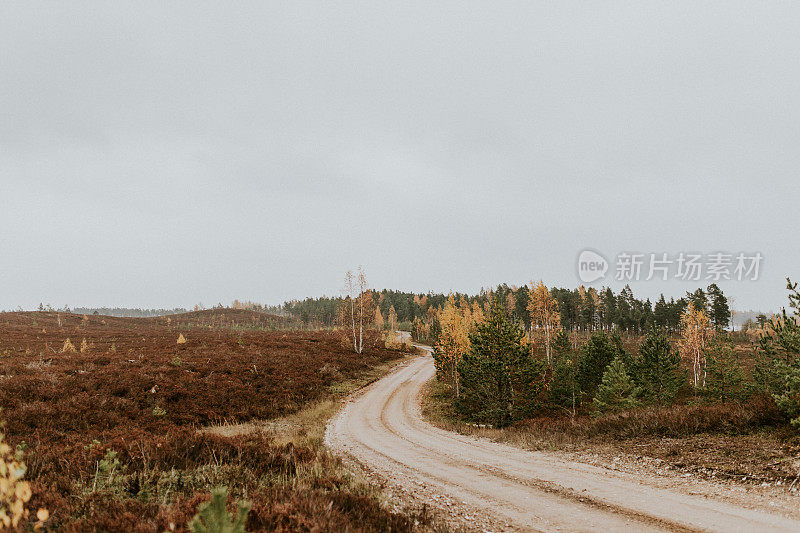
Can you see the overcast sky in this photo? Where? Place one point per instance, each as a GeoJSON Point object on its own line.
{"type": "Point", "coordinates": [166, 154]}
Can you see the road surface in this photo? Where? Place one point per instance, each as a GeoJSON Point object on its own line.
{"type": "Point", "coordinates": [501, 487]}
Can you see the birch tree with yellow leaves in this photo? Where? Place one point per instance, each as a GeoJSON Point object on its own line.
{"type": "Point", "coordinates": [543, 309]}
{"type": "Point", "coordinates": [456, 322]}
{"type": "Point", "coordinates": [695, 333]}
{"type": "Point", "coordinates": [359, 305]}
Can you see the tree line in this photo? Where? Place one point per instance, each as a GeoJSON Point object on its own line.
{"type": "Point", "coordinates": [498, 372]}
{"type": "Point", "coordinates": [579, 309]}
{"type": "Point", "coordinates": [125, 311]}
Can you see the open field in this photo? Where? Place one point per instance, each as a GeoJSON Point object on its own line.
{"type": "Point", "coordinates": [125, 429]}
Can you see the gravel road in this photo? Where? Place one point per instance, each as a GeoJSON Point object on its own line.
{"type": "Point", "coordinates": [493, 486]}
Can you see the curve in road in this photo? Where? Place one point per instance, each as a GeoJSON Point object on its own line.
{"type": "Point", "coordinates": [382, 428]}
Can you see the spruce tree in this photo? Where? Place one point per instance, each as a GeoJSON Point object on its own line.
{"type": "Point", "coordinates": [659, 369]}
{"type": "Point", "coordinates": [724, 376]}
{"type": "Point", "coordinates": [499, 380]}
{"type": "Point", "coordinates": [617, 391]}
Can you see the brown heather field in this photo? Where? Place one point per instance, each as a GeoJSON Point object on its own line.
{"type": "Point", "coordinates": [132, 434]}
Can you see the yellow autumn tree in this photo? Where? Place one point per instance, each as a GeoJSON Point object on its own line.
{"type": "Point", "coordinates": [475, 316]}
{"type": "Point", "coordinates": [456, 322]}
{"type": "Point", "coordinates": [14, 492]}
{"type": "Point", "coordinates": [511, 302]}
{"type": "Point", "coordinates": [543, 309]}
{"type": "Point", "coordinates": [392, 318]}
{"type": "Point", "coordinates": [695, 333]}
{"type": "Point", "coordinates": [378, 318]}
{"type": "Point", "coordinates": [430, 314]}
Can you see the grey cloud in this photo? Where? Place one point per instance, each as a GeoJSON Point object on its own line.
{"type": "Point", "coordinates": [159, 155]}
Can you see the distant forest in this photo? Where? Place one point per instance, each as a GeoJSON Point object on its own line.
{"type": "Point", "coordinates": [580, 308]}
{"type": "Point", "coordinates": [127, 312]}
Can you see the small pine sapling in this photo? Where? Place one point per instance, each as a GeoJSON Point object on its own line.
{"type": "Point", "coordinates": [725, 378]}
{"type": "Point", "coordinates": [213, 516]}
{"type": "Point", "coordinates": [617, 391]}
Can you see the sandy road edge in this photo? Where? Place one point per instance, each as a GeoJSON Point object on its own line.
{"type": "Point", "coordinates": [447, 514]}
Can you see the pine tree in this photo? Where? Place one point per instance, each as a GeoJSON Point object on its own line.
{"type": "Point", "coordinates": [499, 380]}
{"type": "Point", "coordinates": [625, 308]}
{"type": "Point", "coordinates": [564, 389]}
{"type": "Point", "coordinates": [661, 313]}
{"type": "Point", "coordinates": [521, 300]}
{"type": "Point", "coordinates": [617, 391]}
{"type": "Point", "coordinates": [213, 516]}
{"type": "Point", "coordinates": [560, 343]}
{"type": "Point", "coordinates": [609, 305]}
{"type": "Point", "coordinates": [777, 370]}
{"type": "Point", "coordinates": [436, 329]}
{"type": "Point", "coordinates": [594, 357]}
{"type": "Point", "coordinates": [659, 369]}
{"type": "Point", "coordinates": [676, 310]}
{"type": "Point", "coordinates": [718, 310]}
{"type": "Point", "coordinates": [725, 378]}
{"type": "Point", "coordinates": [698, 299]}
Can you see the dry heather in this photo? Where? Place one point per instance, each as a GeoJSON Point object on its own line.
{"type": "Point", "coordinates": [115, 434]}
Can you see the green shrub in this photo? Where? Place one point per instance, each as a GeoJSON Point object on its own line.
{"type": "Point", "coordinates": [213, 516]}
{"type": "Point", "coordinates": [107, 468]}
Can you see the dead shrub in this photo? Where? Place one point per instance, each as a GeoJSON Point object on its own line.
{"type": "Point", "coordinates": [68, 347]}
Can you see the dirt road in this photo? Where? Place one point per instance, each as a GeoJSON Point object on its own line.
{"type": "Point", "coordinates": [494, 486]}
